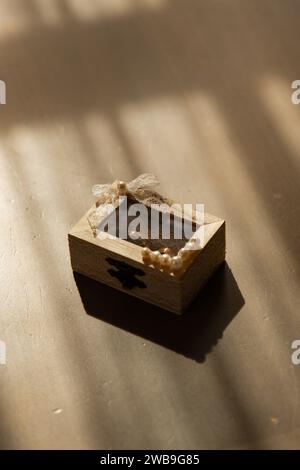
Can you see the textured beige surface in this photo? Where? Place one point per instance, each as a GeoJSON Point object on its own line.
{"type": "Point", "coordinates": [198, 92]}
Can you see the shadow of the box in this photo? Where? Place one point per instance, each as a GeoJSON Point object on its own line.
{"type": "Point", "coordinates": [193, 334]}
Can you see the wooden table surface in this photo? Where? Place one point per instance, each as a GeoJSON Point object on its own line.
{"type": "Point", "coordinates": [199, 93]}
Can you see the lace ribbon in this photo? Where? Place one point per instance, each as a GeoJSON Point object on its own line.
{"type": "Point", "coordinates": [141, 189]}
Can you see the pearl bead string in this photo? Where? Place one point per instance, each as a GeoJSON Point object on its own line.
{"type": "Point", "coordinates": [166, 262]}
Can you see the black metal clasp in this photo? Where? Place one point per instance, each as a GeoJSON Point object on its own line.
{"type": "Point", "coordinates": [126, 274]}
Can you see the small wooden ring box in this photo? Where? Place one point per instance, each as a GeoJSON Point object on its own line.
{"type": "Point", "coordinates": [118, 263]}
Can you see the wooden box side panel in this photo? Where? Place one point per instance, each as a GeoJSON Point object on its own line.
{"type": "Point", "coordinates": [106, 266]}
{"type": "Point", "coordinates": [208, 260]}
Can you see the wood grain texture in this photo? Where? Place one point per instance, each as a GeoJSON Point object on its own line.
{"type": "Point", "coordinates": [197, 92]}
{"type": "Point", "coordinates": [90, 256]}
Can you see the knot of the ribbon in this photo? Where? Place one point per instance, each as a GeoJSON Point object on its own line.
{"type": "Point", "coordinates": [141, 188]}
{"type": "Point", "coordinates": [108, 193]}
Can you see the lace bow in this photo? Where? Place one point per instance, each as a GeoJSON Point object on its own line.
{"type": "Point", "coordinates": [141, 188]}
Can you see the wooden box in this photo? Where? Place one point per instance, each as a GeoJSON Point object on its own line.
{"type": "Point", "coordinates": [119, 263]}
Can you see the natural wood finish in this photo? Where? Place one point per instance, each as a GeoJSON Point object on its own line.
{"type": "Point", "coordinates": [197, 92]}
{"type": "Point", "coordinates": [89, 255]}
